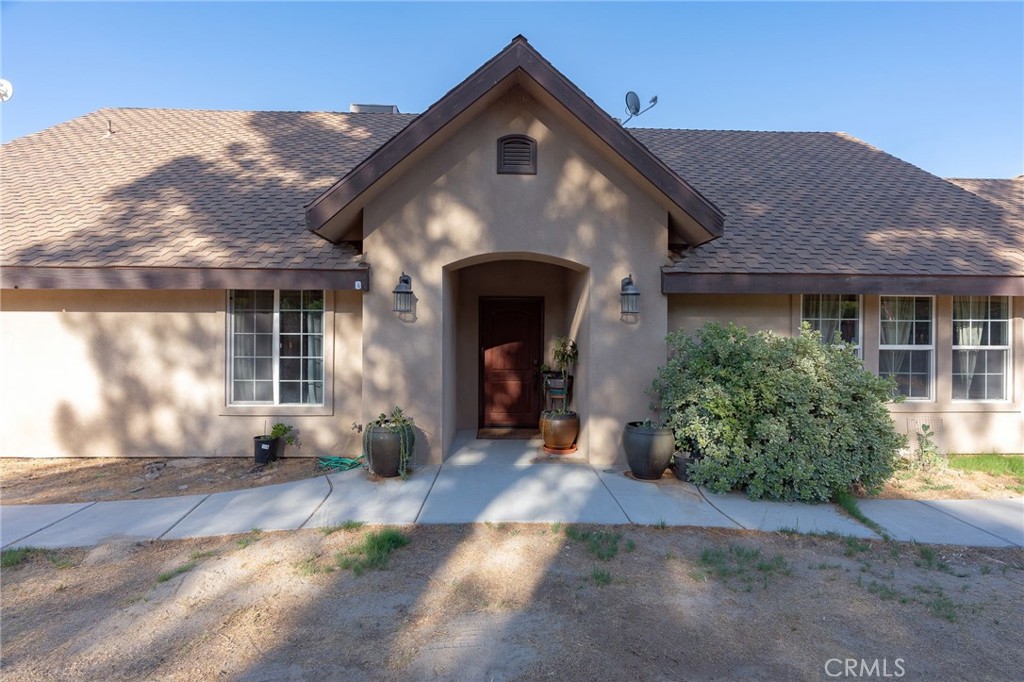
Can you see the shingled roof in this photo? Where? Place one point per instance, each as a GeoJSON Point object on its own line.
{"type": "Point", "coordinates": [1007, 194]}
{"type": "Point", "coordinates": [806, 205]}
{"type": "Point", "coordinates": [125, 195]}
{"type": "Point", "coordinates": [220, 192]}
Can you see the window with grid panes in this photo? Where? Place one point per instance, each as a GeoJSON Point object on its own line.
{"type": "Point", "coordinates": [829, 314]}
{"type": "Point", "coordinates": [981, 347]}
{"type": "Point", "coordinates": [906, 345]}
{"type": "Point", "coordinates": [277, 347]}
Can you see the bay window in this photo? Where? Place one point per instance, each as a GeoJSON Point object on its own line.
{"type": "Point", "coordinates": [276, 347]}
{"type": "Point", "coordinates": [981, 347]}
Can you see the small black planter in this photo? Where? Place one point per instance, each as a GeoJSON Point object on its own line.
{"type": "Point", "coordinates": [265, 449]}
{"type": "Point", "coordinates": [680, 461]}
{"type": "Point", "coordinates": [383, 448]}
{"type": "Point", "coordinates": [648, 449]}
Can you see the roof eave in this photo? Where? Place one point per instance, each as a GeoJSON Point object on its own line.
{"type": "Point", "coordinates": [36, 277]}
{"type": "Point", "coordinates": [678, 282]}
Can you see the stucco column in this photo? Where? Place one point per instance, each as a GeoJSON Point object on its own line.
{"type": "Point", "coordinates": [402, 354]}
{"type": "Point", "coordinates": [623, 357]}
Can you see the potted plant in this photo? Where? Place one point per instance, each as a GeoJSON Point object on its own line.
{"type": "Point", "coordinates": [389, 442]}
{"type": "Point", "coordinates": [681, 461]}
{"type": "Point", "coordinates": [559, 427]}
{"type": "Point", "coordinates": [267, 448]}
{"type": "Point", "coordinates": [649, 448]}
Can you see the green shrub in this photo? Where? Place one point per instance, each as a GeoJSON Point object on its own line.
{"type": "Point", "coordinates": [779, 417]}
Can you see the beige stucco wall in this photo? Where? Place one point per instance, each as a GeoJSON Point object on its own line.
{"type": "Point", "coordinates": [453, 210]}
{"type": "Point", "coordinates": [142, 373]}
{"type": "Point", "coordinates": [689, 312]}
{"type": "Point", "coordinates": [962, 426]}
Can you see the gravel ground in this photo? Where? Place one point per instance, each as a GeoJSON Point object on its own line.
{"type": "Point", "coordinates": [514, 602]}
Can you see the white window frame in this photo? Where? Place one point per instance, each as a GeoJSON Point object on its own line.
{"type": "Point", "coordinates": [276, 354]}
{"type": "Point", "coordinates": [1008, 348]}
{"type": "Point", "coordinates": [857, 347]}
{"type": "Point", "coordinates": [910, 346]}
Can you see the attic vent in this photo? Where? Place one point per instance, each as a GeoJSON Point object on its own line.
{"type": "Point", "coordinates": [373, 109]}
{"type": "Point", "coordinates": [517, 155]}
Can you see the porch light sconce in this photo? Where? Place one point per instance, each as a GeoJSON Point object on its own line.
{"type": "Point", "coordinates": [403, 295]}
{"type": "Point", "coordinates": [630, 298]}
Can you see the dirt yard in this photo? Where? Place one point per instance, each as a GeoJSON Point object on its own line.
{"type": "Point", "coordinates": [47, 481]}
{"type": "Point", "coordinates": [514, 602]}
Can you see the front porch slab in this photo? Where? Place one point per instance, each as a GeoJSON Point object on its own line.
{"type": "Point", "coordinates": [467, 450]}
{"type": "Point", "coordinates": [538, 493]}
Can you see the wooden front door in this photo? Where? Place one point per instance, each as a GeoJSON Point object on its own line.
{"type": "Point", "coordinates": [511, 346]}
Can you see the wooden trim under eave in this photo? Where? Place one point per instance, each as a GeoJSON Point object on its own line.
{"type": "Point", "coordinates": [746, 283]}
{"type": "Point", "coordinates": [182, 278]}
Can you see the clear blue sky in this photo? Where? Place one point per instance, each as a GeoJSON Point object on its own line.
{"type": "Point", "coordinates": [938, 84]}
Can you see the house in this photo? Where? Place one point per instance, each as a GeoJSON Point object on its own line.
{"type": "Point", "coordinates": [174, 281]}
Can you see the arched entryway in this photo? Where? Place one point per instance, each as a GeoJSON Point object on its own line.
{"type": "Point", "coordinates": [501, 313]}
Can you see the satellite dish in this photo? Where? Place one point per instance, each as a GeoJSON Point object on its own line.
{"type": "Point", "coordinates": [6, 90]}
{"type": "Point", "coordinates": [632, 103]}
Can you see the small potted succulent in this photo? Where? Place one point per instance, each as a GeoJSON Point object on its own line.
{"type": "Point", "coordinates": [389, 442]}
{"type": "Point", "coordinates": [268, 447]}
{"type": "Point", "coordinates": [649, 447]}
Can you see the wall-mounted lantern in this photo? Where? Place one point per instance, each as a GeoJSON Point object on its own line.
{"type": "Point", "coordinates": [403, 295]}
{"type": "Point", "coordinates": [630, 296]}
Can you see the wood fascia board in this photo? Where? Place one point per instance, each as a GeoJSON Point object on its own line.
{"type": "Point", "coordinates": [518, 57]}
{"type": "Point", "coordinates": [182, 278]}
{"type": "Point", "coordinates": [673, 282]}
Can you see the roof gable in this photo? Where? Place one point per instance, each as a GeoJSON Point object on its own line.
{"type": "Point", "coordinates": [334, 213]}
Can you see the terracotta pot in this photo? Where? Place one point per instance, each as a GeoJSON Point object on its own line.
{"type": "Point", "coordinates": [648, 449]}
{"type": "Point", "coordinates": [559, 431]}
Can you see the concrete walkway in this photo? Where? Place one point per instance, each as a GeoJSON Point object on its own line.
{"type": "Point", "coordinates": [497, 481]}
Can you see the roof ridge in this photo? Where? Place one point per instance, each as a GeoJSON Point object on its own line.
{"type": "Point", "coordinates": [1016, 178]}
{"type": "Point", "coordinates": [738, 130]}
{"type": "Point", "coordinates": [243, 111]}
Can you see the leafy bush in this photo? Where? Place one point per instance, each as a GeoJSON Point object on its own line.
{"type": "Point", "coordinates": [782, 418]}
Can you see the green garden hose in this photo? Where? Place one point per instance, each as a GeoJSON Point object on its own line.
{"type": "Point", "coordinates": [338, 463]}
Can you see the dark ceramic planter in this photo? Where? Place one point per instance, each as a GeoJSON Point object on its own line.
{"type": "Point", "coordinates": [559, 432]}
{"type": "Point", "coordinates": [648, 450]}
{"type": "Point", "coordinates": [383, 448]}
